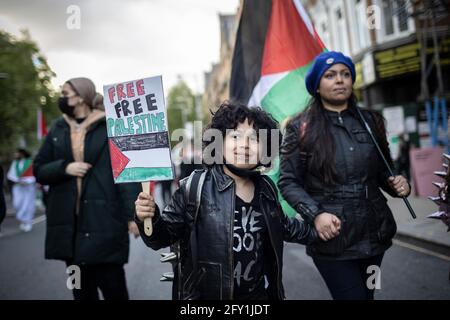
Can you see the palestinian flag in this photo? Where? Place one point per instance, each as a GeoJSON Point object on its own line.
{"type": "Point", "coordinates": [276, 44]}
{"type": "Point", "coordinates": [24, 168]}
{"type": "Point", "coordinates": [21, 171]}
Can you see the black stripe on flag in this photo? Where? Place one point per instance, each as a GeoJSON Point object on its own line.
{"type": "Point", "coordinates": [249, 49]}
{"type": "Point", "coordinates": [142, 142]}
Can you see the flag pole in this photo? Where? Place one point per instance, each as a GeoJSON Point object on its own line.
{"type": "Point", "coordinates": [388, 167]}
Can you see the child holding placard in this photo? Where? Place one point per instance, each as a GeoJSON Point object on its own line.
{"type": "Point", "coordinates": [232, 248]}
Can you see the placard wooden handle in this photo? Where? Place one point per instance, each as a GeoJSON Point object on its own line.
{"type": "Point", "coordinates": [148, 227]}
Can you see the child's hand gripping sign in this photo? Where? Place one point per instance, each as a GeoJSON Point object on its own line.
{"type": "Point", "coordinates": [139, 145]}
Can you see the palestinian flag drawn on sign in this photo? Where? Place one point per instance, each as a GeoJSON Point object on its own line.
{"type": "Point", "coordinates": [276, 44]}
{"type": "Point", "coordinates": [137, 130]}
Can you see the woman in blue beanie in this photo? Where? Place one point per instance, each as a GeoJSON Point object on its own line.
{"type": "Point", "coordinates": [331, 174]}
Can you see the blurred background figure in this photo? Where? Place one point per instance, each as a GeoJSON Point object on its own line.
{"type": "Point", "coordinates": [188, 154]}
{"type": "Point", "coordinates": [88, 215]}
{"type": "Point", "coordinates": [20, 174]}
{"type": "Point", "coordinates": [402, 162]}
{"type": "Point", "coordinates": [166, 190]}
{"type": "Point", "coordinates": [183, 155]}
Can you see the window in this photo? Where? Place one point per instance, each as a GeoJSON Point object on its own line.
{"type": "Point", "coordinates": [341, 36]}
{"type": "Point", "coordinates": [396, 21]}
{"type": "Point", "coordinates": [388, 14]}
{"type": "Point", "coordinates": [321, 23]}
{"type": "Point", "coordinates": [402, 15]}
{"type": "Point", "coordinates": [359, 30]}
{"type": "Point", "coordinates": [324, 34]}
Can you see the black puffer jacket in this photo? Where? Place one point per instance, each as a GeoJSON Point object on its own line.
{"type": "Point", "coordinates": [215, 235]}
{"type": "Point", "coordinates": [367, 222]}
{"type": "Point", "coordinates": [99, 234]}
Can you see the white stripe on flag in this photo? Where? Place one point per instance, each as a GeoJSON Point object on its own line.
{"type": "Point", "coordinates": [304, 17]}
{"type": "Point", "coordinates": [152, 158]}
{"type": "Point", "coordinates": [263, 86]}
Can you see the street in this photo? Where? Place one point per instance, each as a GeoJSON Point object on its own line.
{"type": "Point", "coordinates": [25, 274]}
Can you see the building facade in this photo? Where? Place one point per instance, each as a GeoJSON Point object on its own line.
{"type": "Point", "coordinates": [218, 78]}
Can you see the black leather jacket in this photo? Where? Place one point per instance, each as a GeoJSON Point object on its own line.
{"type": "Point", "coordinates": [214, 224]}
{"type": "Point", "coordinates": [367, 222]}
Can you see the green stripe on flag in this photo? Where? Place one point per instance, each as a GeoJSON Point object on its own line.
{"type": "Point", "coordinates": [274, 174]}
{"type": "Point", "coordinates": [144, 174]}
{"type": "Point", "coordinates": [288, 96]}
{"type": "Point", "coordinates": [285, 99]}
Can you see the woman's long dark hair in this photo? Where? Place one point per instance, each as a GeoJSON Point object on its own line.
{"type": "Point", "coordinates": [316, 140]}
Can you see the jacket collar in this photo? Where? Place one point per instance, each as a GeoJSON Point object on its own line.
{"type": "Point", "coordinates": [223, 181]}
{"type": "Point", "coordinates": [94, 147]}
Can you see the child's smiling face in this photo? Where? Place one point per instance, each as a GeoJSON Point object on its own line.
{"type": "Point", "coordinates": [241, 146]}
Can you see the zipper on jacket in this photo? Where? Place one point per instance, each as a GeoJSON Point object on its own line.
{"type": "Point", "coordinates": [341, 121]}
{"type": "Point", "coordinates": [273, 247]}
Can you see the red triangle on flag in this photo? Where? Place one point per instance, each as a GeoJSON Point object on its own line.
{"type": "Point", "coordinates": [118, 160]}
{"type": "Point", "coordinates": [289, 43]}
{"type": "Point", "coordinates": [28, 172]}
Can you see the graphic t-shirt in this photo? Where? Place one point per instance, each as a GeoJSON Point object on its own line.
{"type": "Point", "coordinates": [250, 231]}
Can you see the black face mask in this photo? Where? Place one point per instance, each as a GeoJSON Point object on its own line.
{"type": "Point", "coordinates": [244, 173]}
{"type": "Point", "coordinates": [63, 105]}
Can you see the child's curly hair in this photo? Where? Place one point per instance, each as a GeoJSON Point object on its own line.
{"type": "Point", "coordinates": [230, 114]}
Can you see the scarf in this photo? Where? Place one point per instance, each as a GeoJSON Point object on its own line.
{"type": "Point", "coordinates": [77, 136]}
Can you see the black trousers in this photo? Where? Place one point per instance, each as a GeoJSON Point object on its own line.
{"type": "Point", "coordinates": [347, 279]}
{"type": "Point", "coordinates": [109, 278]}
